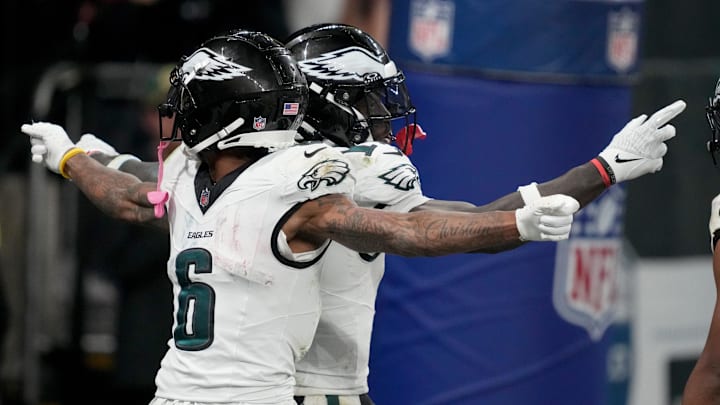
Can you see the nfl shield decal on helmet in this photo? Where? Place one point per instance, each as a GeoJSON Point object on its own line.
{"type": "Point", "coordinates": [259, 123]}
{"type": "Point", "coordinates": [622, 39]}
{"type": "Point", "coordinates": [587, 266]}
{"type": "Point", "coordinates": [431, 26]}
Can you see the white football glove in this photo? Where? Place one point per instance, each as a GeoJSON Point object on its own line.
{"type": "Point", "coordinates": [545, 218]}
{"type": "Point", "coordinates": [49, 143]}
{"type": "Point", "coordinates": [639, 147]}
{"type": "Point", "coordinates": [714, 223]}
{"type": "Point", "coordinates": [91, 143]}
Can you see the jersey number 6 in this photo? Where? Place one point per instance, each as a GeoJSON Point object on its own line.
{"type": "Point", "coordinates": [196, 302]}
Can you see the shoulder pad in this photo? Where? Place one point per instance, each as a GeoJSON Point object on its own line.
{"type": "Point", "coordinates": [315, 169]}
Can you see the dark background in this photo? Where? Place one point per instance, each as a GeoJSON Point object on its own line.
{"type": "Point", "coordinates": [667, 213]}
{"type": "Point", "coordinates": [39, 33]}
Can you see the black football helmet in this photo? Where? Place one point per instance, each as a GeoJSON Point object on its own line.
{"type": "Point", "coordinates": [242, 88]}
{"type": "Point", "coordinates": [712, 112]}
{"type": "Point", "coordinates": [355, 89]}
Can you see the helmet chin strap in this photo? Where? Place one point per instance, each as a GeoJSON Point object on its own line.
{"type": "Point", "coordinates": [272, 140]}
{"type": "Point", "coordinates": [308, 133]}
{"type": "Point", "coordinates": [217, 136]}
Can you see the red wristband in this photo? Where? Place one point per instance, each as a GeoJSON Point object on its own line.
{"type": "Point", "coordinates": [608, 177]}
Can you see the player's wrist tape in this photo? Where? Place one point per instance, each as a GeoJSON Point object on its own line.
{"type": "Point", "coordinates": [606, 172]}
{"type": "Point", "coordinates": [119, 160]}
{"type": "Point", "coordinates": [72, 152]}
{"type": "Point", "coordinates": [529, 193]}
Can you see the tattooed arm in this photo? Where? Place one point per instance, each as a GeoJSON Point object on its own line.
{"type": "Point", "coordinates": [430, 233]}
{"type": "Point", "coordinates": [117, 194]}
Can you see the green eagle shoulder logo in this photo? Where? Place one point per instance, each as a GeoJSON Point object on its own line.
{"type": "Point", "coordinates": [403, 177]}
{"type": "Point", "coordinates": [330, 172]}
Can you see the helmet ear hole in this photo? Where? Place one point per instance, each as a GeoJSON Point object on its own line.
{"type": "Point", "coordinates": [344, 97]}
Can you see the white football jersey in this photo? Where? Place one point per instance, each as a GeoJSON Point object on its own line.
{"type": "Point", "coordinates": [337, 362]}
{"type": "Point", "coordinates": [243, 312]}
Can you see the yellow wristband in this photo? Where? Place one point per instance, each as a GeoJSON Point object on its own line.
{"type": "Point", "coordinates": [72, 152]}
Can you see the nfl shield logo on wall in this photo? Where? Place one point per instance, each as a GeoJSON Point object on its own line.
{"type": "Point", "coordinates": [622, 41]}
{"type": "Point", "coordinates": [431, 26]}
{"type": "Point", "coordinates": [587, 266]}
{"type": "Point", "coordinates": [259, 123]}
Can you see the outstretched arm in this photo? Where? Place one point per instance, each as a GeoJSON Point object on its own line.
{"type": "Point", "coordinates": [145, 171]}
{"type": "Point", "coordinates": [106, 154]}
{"type": "Point", "coordinates": [582, 183]}
{"type": "Point", "coordinates": [636, 150]}
{"type": "Point", "coordinates": [117, 194]}
{"type": "Point", "coordinates": [428, 233]}
{"type": "Point", "coordinates": [703, 385]}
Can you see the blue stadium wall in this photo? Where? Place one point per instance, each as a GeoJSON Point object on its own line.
{"type": "Point", "coordinates": [509, 92]}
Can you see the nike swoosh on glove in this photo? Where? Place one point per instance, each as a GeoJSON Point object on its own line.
{"type": "Point", "coordinates": [49, 143]}
{"type": "Point", "coordinates": [546, 218]}
{"type": "Point", "coordinates": [639, 147]}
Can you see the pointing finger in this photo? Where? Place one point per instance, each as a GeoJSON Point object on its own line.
{"type": "Point", "coordinates": [664, 115]}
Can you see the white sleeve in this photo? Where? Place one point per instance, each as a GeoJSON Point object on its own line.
{"type": "Point", "coordinates": [385, 177]}
{"type": "Point", "coordinates": [315, 170]}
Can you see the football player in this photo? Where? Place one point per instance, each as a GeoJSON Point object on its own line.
{"type": "Point", "coordinates": [356, 92]}
{"type": "Point", "coordinates": [251, 218]}
{"type": "Point", "coordinates": [703, 385]}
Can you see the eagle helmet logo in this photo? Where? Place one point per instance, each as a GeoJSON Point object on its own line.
{"type": "Point", "coordinates": [206, 64]}
{"type": "Point", "coordinates": [352, 64]}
